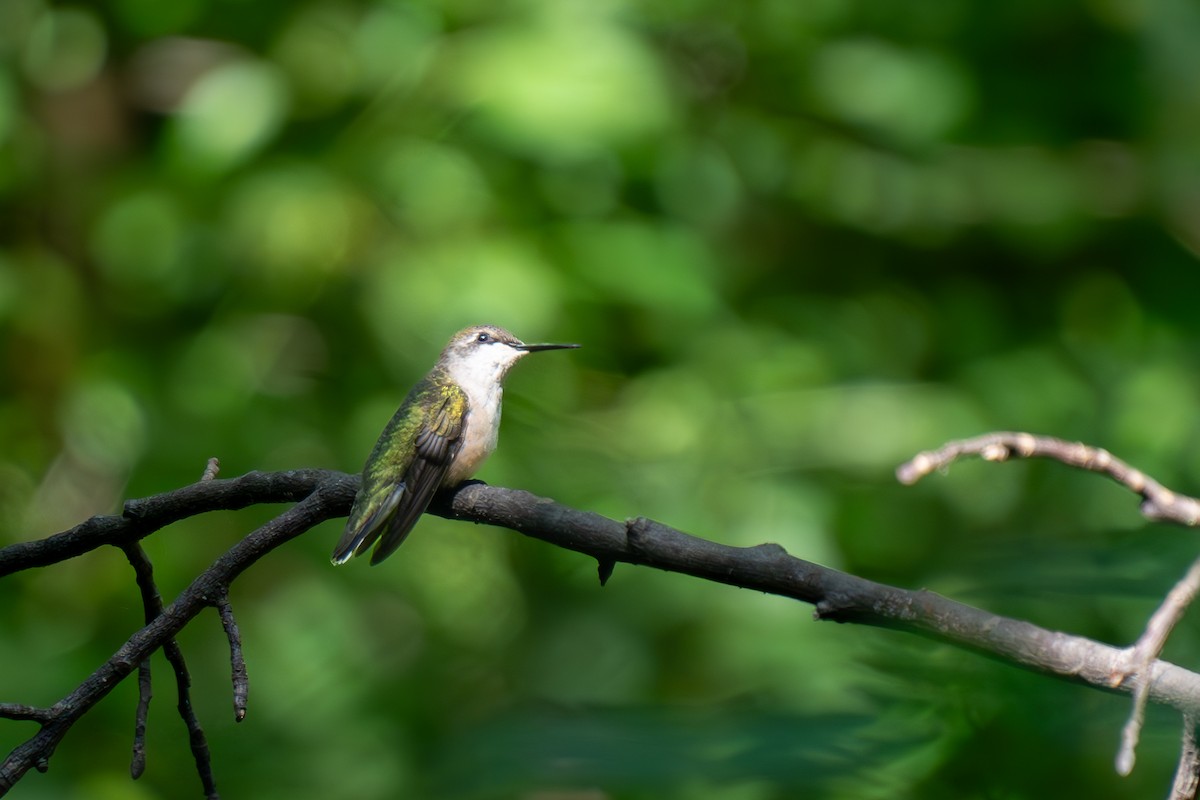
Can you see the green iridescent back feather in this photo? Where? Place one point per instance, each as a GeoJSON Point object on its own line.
{"type": "Point", "coordinates": [405, 468]}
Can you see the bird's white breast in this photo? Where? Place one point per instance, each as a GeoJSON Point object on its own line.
{"type": "Point", "coordinates": [481, 428]}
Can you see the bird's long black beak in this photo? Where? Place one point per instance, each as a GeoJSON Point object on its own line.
{"type": "Point", "coordinates": [533, 348]}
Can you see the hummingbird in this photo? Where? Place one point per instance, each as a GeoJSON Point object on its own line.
{"type": "Point", "coordinates": [442, 433]}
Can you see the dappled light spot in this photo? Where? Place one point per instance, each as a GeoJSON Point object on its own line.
{"type": "Point", "coordinates": [66, 48]}
{"type": "Point", "coordinates": [230, 114]}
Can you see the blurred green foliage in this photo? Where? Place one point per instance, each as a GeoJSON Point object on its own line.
{"type": "Point", "coordinates": [799, 241]}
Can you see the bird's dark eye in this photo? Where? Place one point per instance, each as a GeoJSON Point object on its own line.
{"type": "Point", "coordinates": [483, 337]}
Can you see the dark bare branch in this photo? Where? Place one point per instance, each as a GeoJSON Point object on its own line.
{"type": "Point", "coordinates": [137, 763]}
{"type": "Point", "coordinates": [21, 711]}
{"type": "Point", "coordinates": [241, 682]}
{"type": "Point", "coordinates": [143, 517]}
{"type": "Point", "coordinates": [325, 499]}
{"type": "Point", "coordinates": [152, 607]}
{"type": "Point", "coordinates": [196, 738]}
{"type": "Point", "coordinates": [836, 596]}
{"type": "Point", "coordinates": [152, 603]}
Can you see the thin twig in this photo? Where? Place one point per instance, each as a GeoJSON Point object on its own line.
{"type": "Point", "coordinates": [143, 572]}
{"type": "Point", "coordinates": [137, 764]}
{"type": "Point", "coordinates": [1159, 504]}
{"type": "Point", "coordinates": [1187, 774]}
{"type": "Point", "coordinates": [241, 682]}
{"type": "Point", "coordinates": [24, 712]}
{"type": "Point", "coordinates": [1143, 653]}
{"type": "Point", "coordinates": [211, 469]}
{"type": "Point", "coordinates": [153, 605]}
{"type": "Point", "coordinates": [326, 499]}
{"type": "Point", "coordinates": [196, 738]}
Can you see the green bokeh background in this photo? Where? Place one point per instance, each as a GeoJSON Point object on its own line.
{"type": "Point", "coordinates": [799, 241]}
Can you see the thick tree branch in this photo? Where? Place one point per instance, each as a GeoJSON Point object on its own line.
{"type": "Point", "coordinates": [325, 494]}
{"type": "Point", "coordinates": [144, 517]}
{"type": "Point", "coordinates": [836, 595]}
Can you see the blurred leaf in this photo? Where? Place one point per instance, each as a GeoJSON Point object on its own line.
{"type": "Point", "coordinates": [799, 242]}
{"type": "Point", "coordinates": [562, 84]}
{"type": "Point", "coordinates": [227, 116]}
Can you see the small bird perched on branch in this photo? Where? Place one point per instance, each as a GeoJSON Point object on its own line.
{"type": "Point", "coordinates": [442, 433]}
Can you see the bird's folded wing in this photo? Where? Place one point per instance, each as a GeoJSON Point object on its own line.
{"type": "Point", "coordinates": [437, 444]}
{"type": "Point", "coordinates": [363, 528]}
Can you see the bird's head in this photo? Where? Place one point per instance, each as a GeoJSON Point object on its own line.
{"type": "Point", "coordinates": [487, 352]}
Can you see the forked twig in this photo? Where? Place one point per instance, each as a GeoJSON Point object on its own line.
{"type": "Point", "coordinates": [321, 495]}
{"type": "Point", "coordinates": [1142, 655]}
{"type": "Point", "coordinates": [153, 605]}
{"type": "Point", "coordinates": [1159, 504]}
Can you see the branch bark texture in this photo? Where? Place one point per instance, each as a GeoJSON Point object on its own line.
{"type": "Point", "coordinates": [324, 495]}
{"type": "Point", "coordinates": [836, 595]}
{"type": "Point", "coordinates": [320, 495]}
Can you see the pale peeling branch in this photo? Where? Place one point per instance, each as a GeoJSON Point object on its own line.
{"type": "Point", "coordinates": [1187, 775]}
{"type": "Point", "coordinates": [1159, 504]}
